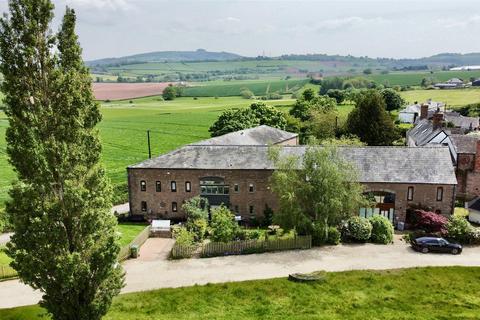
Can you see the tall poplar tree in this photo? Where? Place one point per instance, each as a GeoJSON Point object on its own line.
{"type": "Point", "coordinates": [65, 243]}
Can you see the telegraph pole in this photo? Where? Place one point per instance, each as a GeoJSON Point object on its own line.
{"type": "Point", "coordinates": [148, 140]}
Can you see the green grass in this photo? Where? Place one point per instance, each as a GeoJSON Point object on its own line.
{"type": "Point", "coordinates": [128, 232]}
{"type": "Point", "coordinates": [258, 87]}
{"type": "Point", "coordinates": [421, 293]}
{"type": "Point", "coordinates": [123, 130]}
{"type": "Point", "coordinates": [453, 98]}
{"type": "Point", "coordinates": [415, 78]}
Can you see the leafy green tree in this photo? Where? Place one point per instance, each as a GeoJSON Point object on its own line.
{"type": "Point", "coordinates": [246, 93]}
{"type": "Point", "coordinates": [268, 115]}
{"type": "Point", "coordinates": [318, 188]}
{"type": "Point", "coordinates": [337, 94]}
{"type": "Point", "coordinates": [393, 101]}
{"type": "Point", "coordinates": [367, 71]}
{"type": "Point", "coordinates": [64, 241]}
{"type": "Point", "coordinates": [196, 209]}
{"type": "Point", "coordinates": [322, 124]}
{"type": "Point", "coordinates": [302, 109]}
{"type": "Point", "coordinates": [308, 94]}
{"type": "Point", "coordinates": [370, 121]}
{"type": "Point", "coordinates": [169, 93]}
{"type": "Point", "coordinates": [238, 119]}
{"type": "Point", "coordinates": [223, 225]}
{"type": "Point", "coordinates": [331, 83]}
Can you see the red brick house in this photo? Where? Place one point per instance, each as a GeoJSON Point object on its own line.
{"type": "Point", "coordinates": [238, 176]}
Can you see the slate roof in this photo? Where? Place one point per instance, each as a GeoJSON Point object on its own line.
{"type": "Point", "coordinates": [460, 121]}
{"type": "Point", "coordinates": [464, 143]}
{"type": "Point", "coordinates": [261, 135]}
{"type": "Point", "coordinates": [423, 132]}
{"type": "Point", "coordinates": [431, 165]}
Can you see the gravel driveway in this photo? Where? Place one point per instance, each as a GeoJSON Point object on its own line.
{"type": "Point", "coordinates": [149, 273]}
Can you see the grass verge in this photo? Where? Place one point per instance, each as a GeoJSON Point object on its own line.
{"type": "Point", "coordinates": [419, 293]}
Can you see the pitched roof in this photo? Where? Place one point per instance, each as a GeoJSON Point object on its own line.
{"type": "Point", "coordinates": [460, 121]}
{"type": "Point", "coordinates": [261, 135]}
{"type": "Point", "coordinates": [474, 204]}
{"type": "Point", "coordinates": [464, 143]}
{"type": "Point", "coordinates": [431, 165]}
{"type": "Point", "coordinates": [423, 132]}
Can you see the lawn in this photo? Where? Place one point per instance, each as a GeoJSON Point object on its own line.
{"type": "Point", "coordinates": [124, 130]}
{"type": "Point", "coordinates": [420, 293]}
{"type": "Point", "coordinates": [128, 232]}
{"type": "Point", "coordinates": [4, 259]}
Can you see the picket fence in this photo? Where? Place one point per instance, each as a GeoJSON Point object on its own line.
{"type": "Point", "coordinates": [214, 249]}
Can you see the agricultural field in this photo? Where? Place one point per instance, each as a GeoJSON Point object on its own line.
{"type": "Point", "coordinates": [409, 78]}
{"type": "Point", "coordinates": [233, 88]}
{"type": "Point", "coordinates": [121, 91]}
{"type": "Point", "coordinates": [418, 293]}
{"type": "Point", "coordinates": [453, 98]}
{"type": "Point", "coordinates": [124, 126]}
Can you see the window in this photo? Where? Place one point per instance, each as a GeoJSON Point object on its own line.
{"type": "Point", "coordinates": [173, 186]}
{"type": "Point", "coordinates": [188, 186]}
{"type": "Point", "coordinates": [251, 188]}
{"type": "Point", "coordinates": [251, 210]}
{"type": "Point", "coordinates": [143, 185]}
{"type": "Point", "coordinates": [236, 208]}
{"type": "Point", "coordinates": [439, 194]}
{"type": "Point", "coordinates": [236, 188]}
{"type": "Point", "coordinates": [174, 206]}
{"type": "Point", "coordinates": [410, 194]}
{"type": "Point", "coordinates": [144, 206]}
{"type": "Point", "coordinates": [158, 186]}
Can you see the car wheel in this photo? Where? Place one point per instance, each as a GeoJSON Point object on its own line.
{"type": "Point", "coordinates": [454, 251]}
{"type": "Point", "coordinates": [424, 250]}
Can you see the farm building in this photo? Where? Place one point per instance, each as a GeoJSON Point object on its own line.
{"type": "Point", "coordinates": [453, 83]}
{"type": "Point", "coordinates": [238, 176]}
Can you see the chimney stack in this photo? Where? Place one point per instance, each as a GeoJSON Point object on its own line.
{"type": "Point", "coordinates": [437, 119]}
{"type": "Point", "coordinates": [424, 111]}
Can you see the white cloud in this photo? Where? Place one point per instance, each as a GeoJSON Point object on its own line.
{"type": "Point", "coordinates": [461, 23]}
{"type": "Point", "coordinates": [114, 5]}
{"type": "Point", "coordinates": [347, 22]}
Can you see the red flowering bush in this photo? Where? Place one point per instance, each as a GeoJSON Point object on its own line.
{"type": "Point", "coordinates": [430, 221]}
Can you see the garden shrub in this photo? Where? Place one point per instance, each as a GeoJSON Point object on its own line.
{"type": "Point", "coordinates": [460, 230]}
{"type": "Point", "coordinates": [183, 236]}
{"type": "Point", "coordinates": [197, 216]}
{"type": "Point", "coordinates": [223, 225]}
{"type": "Point", "coordinates": [318, 234]}
{"type": "Point", "coordinates": [382, 230]}
{"type": "Point", "coordinates": [198, 227]}
{"type": "Point", "coordinates": [358, 229]}
{"type": "Point", "coordinates": [430, 221]}
{"type": "Point", "coordinates": [333, 236]}
{"type": "Point", "coordinates": [254, 235]}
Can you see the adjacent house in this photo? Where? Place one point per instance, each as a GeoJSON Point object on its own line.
{"type": "Point", "coordinates": [463, 148]}
{"type": "Point", "coordinates": [412, 112]}
{"type": "Point", "coordinates": [238, 176]}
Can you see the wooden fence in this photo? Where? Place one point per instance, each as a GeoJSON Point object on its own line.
{"type": "Point", "coordinates": [140, 239]}
{"type": "Point", "coordinates": [214, 249]}
{"type": "Point", "coordinates": [7, 272]}
{"type": "Point", "coordinates": [180, 251]}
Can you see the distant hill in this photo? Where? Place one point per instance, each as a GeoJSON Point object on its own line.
{"type": "Point", "coordinates": [167, 56]}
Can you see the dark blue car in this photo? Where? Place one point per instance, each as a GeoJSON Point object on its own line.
{"type": "Point", "coordinates": [433, 244]}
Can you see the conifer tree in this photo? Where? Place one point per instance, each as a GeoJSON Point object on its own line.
{"type": "Point", "coordinates": [65, 243]}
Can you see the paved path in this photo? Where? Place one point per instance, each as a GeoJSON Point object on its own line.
{"type": "Point", "coordinates": [149, 273]}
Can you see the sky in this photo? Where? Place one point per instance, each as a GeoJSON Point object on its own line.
{"type": "Point", "coordinates": [375, 28]}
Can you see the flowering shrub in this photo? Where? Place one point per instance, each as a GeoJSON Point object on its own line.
{"type": "Point", "coordinates": [430, 221]}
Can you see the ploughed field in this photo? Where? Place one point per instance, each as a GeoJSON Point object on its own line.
{"type": "Point", "coordinates": [121, 91]}
{"type": "Point", "coordinates": [418, 293]}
